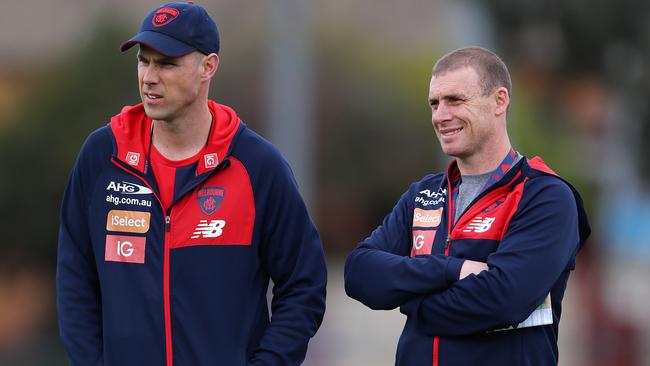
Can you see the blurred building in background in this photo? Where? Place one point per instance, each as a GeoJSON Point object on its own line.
{"type": "Point", "coordinates": [350, 78]}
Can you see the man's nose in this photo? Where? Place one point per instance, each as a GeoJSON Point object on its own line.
{"type": "Point", "coordinates": [440, 113]}
{"type": "Point", "coordinates": [149, 74]}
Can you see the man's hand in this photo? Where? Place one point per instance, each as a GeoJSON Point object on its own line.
{"type": "Point", "coordinates": [471, 267]}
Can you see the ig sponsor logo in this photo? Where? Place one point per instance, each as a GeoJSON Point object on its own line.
{"type": "Point", "coordinates": [211, 160]}
{"type": "Point", "coordinates": [133, 158]}
{"type": "Point", "coordinates": [422, 242]}
{"type": "Point", "coordinates": [125, 249]}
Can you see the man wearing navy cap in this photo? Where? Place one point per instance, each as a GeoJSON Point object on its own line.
{"type": "Point", "coordinates": [175, 217]}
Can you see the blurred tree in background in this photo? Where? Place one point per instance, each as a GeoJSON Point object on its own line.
{"type": "Point", "coordinates": [375, 135]}
{"type": "Point", "coordinates": [62, 104]}
{"type": "Point", "coordinates": [67, 100]}
{"type": "Point", "coordinates": [566, 49]}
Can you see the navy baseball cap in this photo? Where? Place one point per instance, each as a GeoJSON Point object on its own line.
{"type": "Point", "coordinates": [176, 29]}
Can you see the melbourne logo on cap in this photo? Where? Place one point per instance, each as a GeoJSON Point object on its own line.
{"type": "Point", "coordinates": [210, 198]}
{"type": "Point", "coordinates": [164, 16]}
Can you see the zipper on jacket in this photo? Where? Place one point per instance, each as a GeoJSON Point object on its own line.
{"type": "Point", "coordinates": [166, 248]}
{"type": "Point", "coordinates": [450, 207]}
{"type": "Point", "coordinates": [450, 226]}
{"type": "Point", "coordinates": [496, 186]}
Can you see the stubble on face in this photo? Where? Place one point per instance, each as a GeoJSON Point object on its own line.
{"type": "Point", "coordinates": [169, 86]}
{"type": "Point", "coordinates": [457, 110]}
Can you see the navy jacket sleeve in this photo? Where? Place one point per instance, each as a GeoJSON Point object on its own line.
{"type": "Point", "coordinates": [77, 293]}
{"type": "Point", "coordinates": [539, 245]}
{"type": "Point", "coordinates": [293, 255]}
{"type": "Point", "coordinates": [380, 273]}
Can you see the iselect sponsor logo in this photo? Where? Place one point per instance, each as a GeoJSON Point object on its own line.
{"type": "Point", "coordinates": [426, 218]}
{"type": "Point", "coordinates": [128, 221]}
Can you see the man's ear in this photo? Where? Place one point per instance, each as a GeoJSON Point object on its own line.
{"type": "Point", "coordinates": [209, 65]}
{"type": "Point", "coordinates": [502, 99]}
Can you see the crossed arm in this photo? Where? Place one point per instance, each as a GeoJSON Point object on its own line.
{"type": "Point", "coordinates": [451, 296]}
{"type": "Point", "coordinates": [381, 274]}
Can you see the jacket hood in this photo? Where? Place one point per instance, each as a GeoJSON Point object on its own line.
{"type": "Point", "coordinates": [584, 228]}
{"type": "Point", "coordinates": [132, 131]}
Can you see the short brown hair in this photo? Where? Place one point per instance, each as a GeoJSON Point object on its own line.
{"type": "Point", "coordinates": [492, 72]}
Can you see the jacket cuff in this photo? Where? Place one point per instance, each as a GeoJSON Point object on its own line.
{"type": "Point", "coordinates": [452, 272]}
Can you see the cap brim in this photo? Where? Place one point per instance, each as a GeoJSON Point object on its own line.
{"type": "Point", "coordinates": [160, 43]}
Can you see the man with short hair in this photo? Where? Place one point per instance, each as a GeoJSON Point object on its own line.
{"type": "Point", "coordinates": [176, 216]}
{"type": "Point", "coordinates": [477, 258]}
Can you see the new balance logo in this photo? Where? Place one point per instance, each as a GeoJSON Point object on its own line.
{"type": "Point", "coordinates": [479, 224]}
{"type": "Point", "coordinates": [209, 229]}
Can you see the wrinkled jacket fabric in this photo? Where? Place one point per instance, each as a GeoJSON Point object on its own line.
{"type": "Point", "coordinates": [527, 227]}
{"type": "Point", "coordinates": [141, 285]}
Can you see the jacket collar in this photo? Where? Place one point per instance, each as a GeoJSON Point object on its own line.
{"type": "Point", "coordinates": [453, 173]}
{"type": "Point", "coordinates": [132, 131]}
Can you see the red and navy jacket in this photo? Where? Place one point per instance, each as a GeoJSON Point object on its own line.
{"type": "Point", "coordinates": [141, 285]}
{"type": "Point", "coordinates": [527, 227]}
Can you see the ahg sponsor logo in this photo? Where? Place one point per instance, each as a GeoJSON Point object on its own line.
{"type": "Point", "coordinates": [127, 201]}
{"type": "Point", "coordinates": [430, 194]}
{"type": "Point", "coordinates": [427, 197]}
{"type": "Point", "coordinates": [126, 249]}
{"type": "Point", "coordinates": [127, 188]}
{"type": "Point", "coordinates": [128, 221]}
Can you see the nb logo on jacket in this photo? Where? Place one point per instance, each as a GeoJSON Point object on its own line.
{"type": "Point", "coordinates": [479, 224]}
